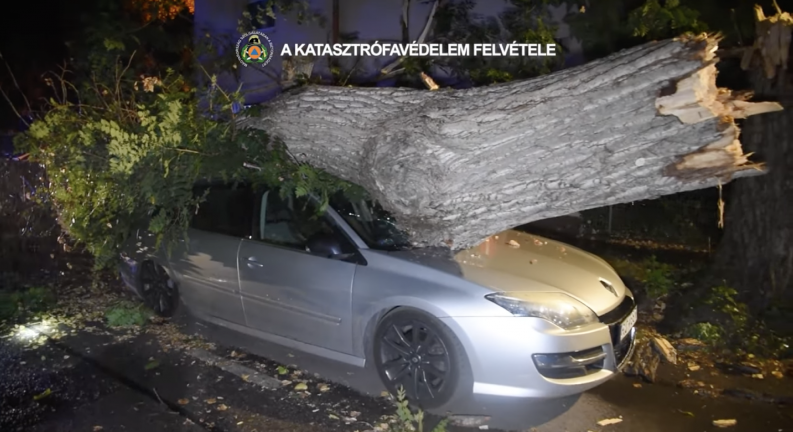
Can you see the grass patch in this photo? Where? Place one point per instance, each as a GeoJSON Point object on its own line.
{"type": "Point", "coordinates": [656, 278]}
{"type": "Point", "coordinates": [28, 302]}
{"type": "Point", "coordinates": [737, 331]}
{"type": "Point", "coordinates": [128, 314]}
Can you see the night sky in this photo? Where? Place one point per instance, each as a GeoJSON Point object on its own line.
{"type": "Point", "coordinates": [32, 41]}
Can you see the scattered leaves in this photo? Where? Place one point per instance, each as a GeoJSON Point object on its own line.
{"type": "Point", "coordinates": [222, 407]}
{"type": "Point", "coordinates": [154, 364]}
{"type": "Point", "coordinates": [282, 370]}
{"type": "Point", "coordinates": [686, 413]}
{"type": "Point", "coordinates": [211, 401]}
{"type": "Point", "coordinates": [301, 386]}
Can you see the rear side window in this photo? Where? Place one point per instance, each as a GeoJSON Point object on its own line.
{"type": "Point", "coordinates": [226, 210]}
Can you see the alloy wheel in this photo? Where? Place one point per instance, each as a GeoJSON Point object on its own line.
{"type": "Point", "coordinates": [159, 291]}
{"type": "Point", "coordinates": [414, 356]}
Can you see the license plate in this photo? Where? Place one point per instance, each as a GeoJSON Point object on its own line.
{"type": "Point", "coordinates": [628, 324]}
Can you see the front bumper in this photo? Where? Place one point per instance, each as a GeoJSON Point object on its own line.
{"type": "Point", "coordinates": [502, 352]}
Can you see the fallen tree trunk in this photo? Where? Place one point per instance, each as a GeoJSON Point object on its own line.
{"type": "Point", "coordinates": [455, 166]}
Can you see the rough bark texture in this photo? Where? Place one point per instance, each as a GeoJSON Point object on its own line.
{"type": "Point", "coordinates": [756, 254]}
{"type": "Point", "coordinates": [456, 166]}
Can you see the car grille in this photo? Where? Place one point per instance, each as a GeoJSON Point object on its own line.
{"type": "Point", "coordinates": [613, 319]}
{"type": "Point", "coordinates": [623, 349]}
{"type": "Point", "coordinates": [616, 315]}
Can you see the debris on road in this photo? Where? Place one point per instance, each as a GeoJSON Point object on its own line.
{"type": "Point", "coordinates": [690, 344]}
{"type": "Point", "coordinates": [665, 349]}
{"type": "Point", "coordinates": [725, 423]}
{"type": "Point", "coordinates": [644, 363]}
{"type": "Point", "coordinates": [611, 421]}
{"type": "Point", "coordinates": [690, 383]}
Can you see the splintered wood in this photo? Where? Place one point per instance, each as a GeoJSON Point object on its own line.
{"type": "Point", "coordinates": [697, 99]}
{"type": "Point", "coordinates": [772, 41]}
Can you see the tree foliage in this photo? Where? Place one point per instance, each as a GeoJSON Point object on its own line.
{"type": "Point", "coordinates": [130, 128]}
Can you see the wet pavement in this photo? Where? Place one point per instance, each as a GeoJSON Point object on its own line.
{"type": "Point", "coordinates": [100, 382]}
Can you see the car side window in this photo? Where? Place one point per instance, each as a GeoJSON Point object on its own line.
{"type": "Point", "coordinates": [291, 221]}
{"type": "Point", "coordinates": [225, 210]}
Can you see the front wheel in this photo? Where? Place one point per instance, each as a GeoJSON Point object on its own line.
{"type": "Point", "coordinates": [158, 289]}
{"type": "Point", "coordinates": [418, 353]}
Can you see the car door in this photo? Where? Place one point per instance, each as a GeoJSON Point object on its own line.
{"type": "Point", "coordinates": [207, 261]}
{"type": "Point", "coordinates": [288, 291]}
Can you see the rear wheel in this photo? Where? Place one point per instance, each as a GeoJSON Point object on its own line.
{"type": "Point", "coordinates": [415, 351]}
{"type": "Point", "coordinates": [158, 289]}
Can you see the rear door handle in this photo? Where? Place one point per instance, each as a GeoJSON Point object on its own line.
{"type": "Point", "coordinates": [253, 263]}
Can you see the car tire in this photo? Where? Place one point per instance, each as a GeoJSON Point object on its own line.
{"type": "Point", "coordinates": [432, 369]}
{"type": "Point", "coordinates": [158, 290]}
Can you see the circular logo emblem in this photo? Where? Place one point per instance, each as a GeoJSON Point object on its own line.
{"type": "Point", "coordinates": [254, 48]}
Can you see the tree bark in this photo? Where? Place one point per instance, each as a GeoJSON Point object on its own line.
{"type": "Point", "coordinates": [455, 166]}
{"type": "Point", "coordinates": [756, 253]}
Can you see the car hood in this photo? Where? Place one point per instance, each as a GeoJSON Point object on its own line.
{"type": "Point", "coordinates": [521, 263]}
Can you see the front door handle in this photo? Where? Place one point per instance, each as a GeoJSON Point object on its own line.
{"type": "Point", "coordinates": [253, 263]}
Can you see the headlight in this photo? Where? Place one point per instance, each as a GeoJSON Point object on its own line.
{"type": "Point", "coordinates": [560, 309]}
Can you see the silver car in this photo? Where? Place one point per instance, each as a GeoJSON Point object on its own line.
{"type": "Point", "coordinates": [516, 316]}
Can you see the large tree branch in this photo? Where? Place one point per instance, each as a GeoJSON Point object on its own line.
{"type": "Point", "coordinates": [456, 166]}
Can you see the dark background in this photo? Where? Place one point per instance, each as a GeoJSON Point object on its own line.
{"type": "Point", "coordinates": [33, 37]}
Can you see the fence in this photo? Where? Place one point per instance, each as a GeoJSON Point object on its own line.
{"type": "Point", "coordinates": [686, 220]}
{"type": "Point", "coordinates": [689, 219]}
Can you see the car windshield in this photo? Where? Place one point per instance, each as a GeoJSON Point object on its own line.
{"type": "Point", "coordinates": [371, 222]}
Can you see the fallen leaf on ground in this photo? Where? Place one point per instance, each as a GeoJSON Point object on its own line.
{"type": "Point", "coordinates": [222, 407]}
{"type": "Point", "coordinates": [333, 416]}
{"type": "Point", "coordinates": [301, 386]}
{"type": "Point", "coordinates": [611, 421]}
{"type": "Point", "coordinates": [152, 365]}
{"type": "Point", "coordinates": [323, 387]}
{"type": "Point", "coordinates": [725, 423]}
{"type": "Point", "coordinates": [757, 376]}
{"type": "Point", "coordinates": [354, 413]}
{"type": "Point", "coordinates": [513, 243]}
{"type": "Point", "coordinates": [282, 370]}
{"type": "Point", "coordinates": [245, 377]}
{"type": "Point", "coordinates": [183, 401]}
{"type": "Point", "coordinates": [637, 385]}
{"type": "Point", "coordinates": [777, 374]}
{"type": "Point", "coordinates": [211, 401]}
{"type": "Point", "coordinates": [42, 395]}
{"type": "Point", "coordinates": [688, 413]}
{"type": "Point", "coordinates": [98, 428]}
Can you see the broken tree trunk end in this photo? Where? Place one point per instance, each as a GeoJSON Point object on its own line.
{"type": "Point", "coordinates": [456, 166]}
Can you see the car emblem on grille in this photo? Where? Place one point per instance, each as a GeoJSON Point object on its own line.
{"type": "Point", "coordinates": [607, 285]}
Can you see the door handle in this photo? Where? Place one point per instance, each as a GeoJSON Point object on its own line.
{"type": "Point", "coordinates": [252, 263]}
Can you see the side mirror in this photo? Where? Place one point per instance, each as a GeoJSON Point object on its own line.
{"type": "Point", "coordinates": [327, 245]}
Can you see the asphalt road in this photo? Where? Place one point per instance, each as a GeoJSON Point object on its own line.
{"type": "Point", "coordinates": [105, 383]}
